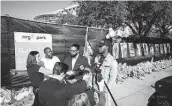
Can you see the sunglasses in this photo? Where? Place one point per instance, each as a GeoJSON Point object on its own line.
{"type": "Point", "coordinates": [73, 50]}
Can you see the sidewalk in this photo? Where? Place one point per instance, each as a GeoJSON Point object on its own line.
{"type": "Point", "coordinates": [135, 92]}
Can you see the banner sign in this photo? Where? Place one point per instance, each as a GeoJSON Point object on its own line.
{"type": "Point", "coordinates": [145, 47]}
{"type": "Point", "coordinates": [26, 42]}
{"type": "Point", "coordinates": [131, 49]}
{"type": "Point", "coordinates": [157, 52]}
{"type": "Point", "coordinates": [168, 47]}
{"type": "Point", "coordinates": [124, 50]}
{"type": "Point", "coordinates": [138, 49]}
{"type": "Point", "coordinates": [165, 48]}
{"type": "Point", "coordinates": [152, 49]}
{"type": "Point", "coordinates": [115, 50]}
{"type": "Point", "coordinates": [161, 49]}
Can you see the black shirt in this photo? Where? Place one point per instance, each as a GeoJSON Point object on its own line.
{"type": "Point", "coordinates": [35, 77]}
{"type": "Point", "coordinates": [54, 93]}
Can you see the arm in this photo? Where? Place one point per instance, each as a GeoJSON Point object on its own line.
{"type": "Point", "coordinates": [57, 59]}
{"type": "Point", "coordinates": [44, 71]}
{"type": "Point", "coordinates": [80, 77]}
{"type": "Point", "coordinates": [113, 74]}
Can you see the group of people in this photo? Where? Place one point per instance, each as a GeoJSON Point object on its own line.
{"type": "Point", "coordinates": [72, 82]}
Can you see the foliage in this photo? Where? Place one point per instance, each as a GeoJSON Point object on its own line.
{"type": "Point", "coordinates": [140, 16]}
{"type": "Point", "coordinates": [101, 13]}
{"type": "Point", "coordinates": [164, 24]}
{"type": "Point", "coordinates": [67, 18]}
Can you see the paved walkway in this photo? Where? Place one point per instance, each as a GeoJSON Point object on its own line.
{"type": "Point", "coordinates": [135, 92]}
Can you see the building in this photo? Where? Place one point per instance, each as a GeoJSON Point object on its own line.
{"type": "Point", "coordinates": [52, 16]}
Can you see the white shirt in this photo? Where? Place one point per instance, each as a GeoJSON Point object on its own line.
{"type": "Point", "coordinates": [49, 63]}
{"type": "Point", "coordinates": [109, 69]}
{"type": "Point", "coordinates": [74, 61]}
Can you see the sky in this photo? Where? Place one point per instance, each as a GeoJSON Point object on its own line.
{"type": "Point", "coordinates": [30, 9]}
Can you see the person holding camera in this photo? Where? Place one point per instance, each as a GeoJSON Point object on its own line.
{"type": "Point", "coordinates": [55, 92]}
{"type": "Point", "coordinates": [105, 69]}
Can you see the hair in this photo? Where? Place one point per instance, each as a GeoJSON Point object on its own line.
{"type": "Point", "coordinates": [62, 68]}
{"type": "Point", "coordinates": [31, 59]}
{"type": "Point", "coordinates": [79, 100]}
{"type": "Point", "coordinates": [76, 45]}
{"type": "Point", "coordinates": [46, 49]}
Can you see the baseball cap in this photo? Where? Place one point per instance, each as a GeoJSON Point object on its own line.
{"type": "Point", "coordinates": [106, 42]}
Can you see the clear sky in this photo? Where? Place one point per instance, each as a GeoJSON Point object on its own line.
{"type": "Point", "coordinates": [29, 9]}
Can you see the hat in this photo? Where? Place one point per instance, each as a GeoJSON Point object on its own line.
{"type": "Point", "coordinates": [103, 42]}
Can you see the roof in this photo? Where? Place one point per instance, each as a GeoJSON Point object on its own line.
{"type": "Point", "coordinates": [55, 12]}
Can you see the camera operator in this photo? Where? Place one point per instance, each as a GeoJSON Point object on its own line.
{"type": "Point", "coordinates": [54, 92]}
{"type": "Point", "coordinates": [105, 69]}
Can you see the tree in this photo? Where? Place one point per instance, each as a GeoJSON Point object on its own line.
{"type": "Point", "coordinates": [140, 16]}
{"type": "Point", "coordinates": [100, 13]}
{"type": "Point", "coordinates": [164, 24]}
{"type": "Point", "coordinates": [67, 18]}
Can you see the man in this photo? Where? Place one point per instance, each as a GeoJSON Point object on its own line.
{"type": "Point", "coordinates": [49, 60]}
{"type": "Point", "coordinates": [75, 61]}
{"type": "Point", "coordinates": [54, 92]}
{"type": "Point", "coordinates": [106, 68]}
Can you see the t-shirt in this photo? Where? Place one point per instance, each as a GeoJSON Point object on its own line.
{"type": "Point", "coordinates": [49, 63]}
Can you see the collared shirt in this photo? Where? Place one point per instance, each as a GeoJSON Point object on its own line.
{"type": "Point", "coordinates": [108, 69]}
{"type": "Point", "coordinates": [74, 61]}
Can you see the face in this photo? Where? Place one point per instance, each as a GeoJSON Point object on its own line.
{"type": "Point", "coordinates": [73, 51]}
{"type": "Point", "coordinates": [49, 53]}
{"type": "Point", "coordinates": [57, 69]}
{"type": "Point", "coordinates": [102, 49]}
{"type": "Point", "coordinates": [38, 58]}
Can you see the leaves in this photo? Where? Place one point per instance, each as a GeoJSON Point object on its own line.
{"type": "Point", "coordinates": [140, 16]}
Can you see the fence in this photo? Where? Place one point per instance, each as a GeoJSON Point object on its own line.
{"type": "Point", "coordinates": [63, 36]}
{"type": "Point", "coordinates": [143, 48]}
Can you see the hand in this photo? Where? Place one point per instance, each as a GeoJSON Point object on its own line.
{"type": "Point", "coordinates": [72, 81]}
{"type": "Point", "coordinates": [13, 71]}
{"type": "Point", "coordinates": [58, 77]}
{"type": "Point", "coordinates": [70, 72]}
{"type": "Point", "coordinates": [87, 77]}
{"type": "Point", "coordinates": [45, 79]}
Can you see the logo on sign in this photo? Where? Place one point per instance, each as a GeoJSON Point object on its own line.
{"type": "Point", "coordinates": [32, 37]}
{"type": "Point", "coordinates": [27, 37]}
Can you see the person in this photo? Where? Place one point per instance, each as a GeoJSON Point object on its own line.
{"type": "Point", "coordinates": [35, 72]}
{"type": "Point", "coordinates": [79, 100]}
{"type": "Point", "coordinates": [105, 68]}
{"type": "Point", "coordinates": [55, 91]}
{"type": "Point", "coordinates": [75, 61]}
{"type": "Point", "coordinates": [49, 60]}
{"type": "Point", "coordinates": [84, 100]}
